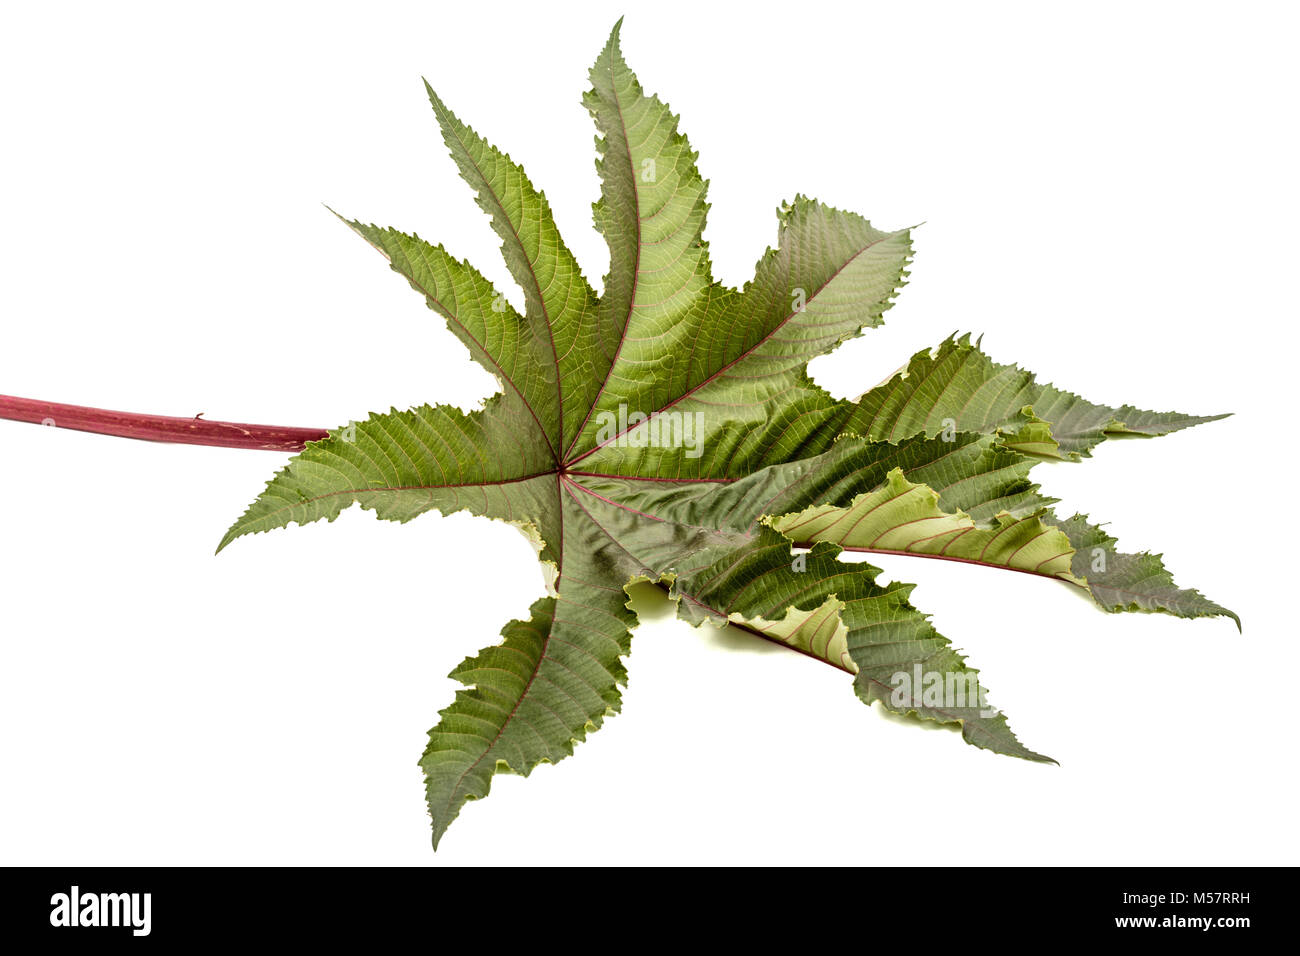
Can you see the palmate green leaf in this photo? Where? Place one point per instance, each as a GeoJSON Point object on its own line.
{"type": "Point", "coordinates": [667, 430]}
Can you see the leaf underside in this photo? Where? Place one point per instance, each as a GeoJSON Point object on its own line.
{"type": "Point", "coordinates": [667, 430]}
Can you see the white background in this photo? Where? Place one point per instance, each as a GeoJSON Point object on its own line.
{"type": "Point", "coordinates": [1109, 194]}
